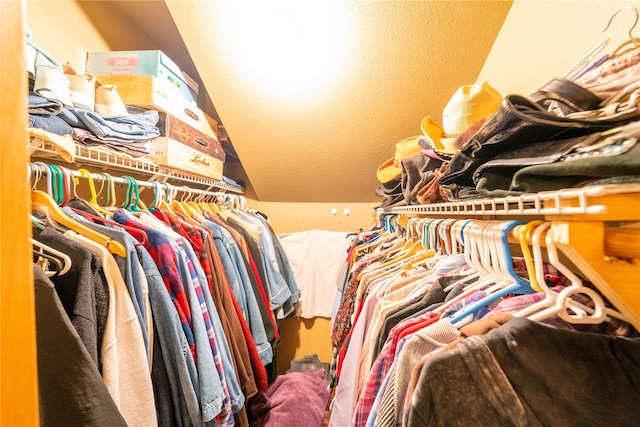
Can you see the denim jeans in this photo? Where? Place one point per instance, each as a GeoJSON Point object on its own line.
{"type": "Point", "coordinates": [139, 125]}
{"type": "Point", "coordinates": [181, 368]}
{"type": "Point", "coordinates": [278, 287]}
{"type": "Point", "coordinates": [42, 106]}
{"type": "Point", "coordinates": [53, 124]}
{"type": "Point", "coordinates": [526, 373]}
{"type": "Point", "coordinates": [285, 268]}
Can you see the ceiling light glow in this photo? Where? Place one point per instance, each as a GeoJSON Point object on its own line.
{"type": "Point", "coordinates": [289, 49]}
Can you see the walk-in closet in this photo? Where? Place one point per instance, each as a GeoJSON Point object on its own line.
{"type": "Point", "coordinates": [320, 213]}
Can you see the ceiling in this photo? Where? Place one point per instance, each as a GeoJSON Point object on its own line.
{"type": "Point", "coordinates": [314, 94]}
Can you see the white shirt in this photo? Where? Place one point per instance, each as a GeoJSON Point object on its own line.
{"type": "Point", "coordinates": [125, 368]}
{"type": "Point", "coordinates": [316, 258]}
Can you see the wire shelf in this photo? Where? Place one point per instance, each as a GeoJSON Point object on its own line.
{"type": "Point", "coordinates": [105, 159]}
{"type": "Point", "coordinates": [573, 201]}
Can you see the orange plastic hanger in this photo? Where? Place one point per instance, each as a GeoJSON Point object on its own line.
{"type": "Point", "coordinates": [41, 198]}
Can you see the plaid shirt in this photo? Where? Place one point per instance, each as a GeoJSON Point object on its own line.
{"type": "Point", "coordinates": [226, 415]}
{"type": "Point", "coordinates": [165, 257]}
{"type": "Point", "coordinates": [342, 324]}
{"type": "Point", "coordinates": [192, 234]}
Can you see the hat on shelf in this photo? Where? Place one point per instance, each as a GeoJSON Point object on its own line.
{"type": "Point", "coordinates": [82, 88]}
{"type": "Point", "coordinates": [468, 105]}
{"type": "Point", "coordinates": [392, 193]}
{"type": "Point", "coordinates": [108, 102]}
{"type": "Point", "coordinates": [417, 172]}
{"type": "Point", "coordinates": [391, 169]}
{"type": "Point", "coordinates": [389, 189]}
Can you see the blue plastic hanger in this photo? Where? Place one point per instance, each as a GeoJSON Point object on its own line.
{"type": "Point", "coordinates": [519, 286]}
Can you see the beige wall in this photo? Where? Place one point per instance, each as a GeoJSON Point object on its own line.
{"type": "Point", "coordinates": [541, 40]}
{"type": "Point", "coordinates": [294, 217]}
{"type": "Point", "coordinates": [62, 29]}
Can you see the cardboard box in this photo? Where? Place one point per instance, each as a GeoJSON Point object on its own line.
{"type": "Point", "coordinates": [145, 63]}
{"type": "Point", "coordinates": [182, 147]}
{"type": "Point", "coordinates": [147, 92]}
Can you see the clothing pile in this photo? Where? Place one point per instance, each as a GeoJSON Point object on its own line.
{"type": "Point", "coordinates": [580, 131]}
{"type": "Point", "coordinates": [296, 399]}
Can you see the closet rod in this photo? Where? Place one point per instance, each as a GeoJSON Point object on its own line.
{"type": "Point", "coordinates": [148, 184]}
{"type": "Point", "coordinates": [623, 243]}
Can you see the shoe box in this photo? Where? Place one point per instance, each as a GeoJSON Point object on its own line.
{"type": "Point", "coordinates": [184, 147]}
{"type": "Point", "coordinates": [145, 63]}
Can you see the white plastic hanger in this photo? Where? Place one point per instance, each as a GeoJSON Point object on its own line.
{"type": "Point", "coordinates": [43, 250]}
{"type": "Point", "coordinates": [467, 234]}
{"type": "Point", "coordinates": [551, 296]}
{"type": "Point", "coordinates": [561, 303]}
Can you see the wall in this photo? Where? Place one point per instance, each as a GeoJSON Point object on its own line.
{"type": "Point", "coordinates": [44, 19]}
{"type": "Point", "coordinates": [541, 40]}
{"type": "Point", "coordinates": [294, 217]}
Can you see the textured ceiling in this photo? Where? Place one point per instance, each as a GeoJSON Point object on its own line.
{"type": "Point", "coordinates": [315, 94]}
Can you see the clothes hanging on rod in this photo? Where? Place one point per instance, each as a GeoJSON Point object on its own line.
{"type": "Point", "coordinates": [208, 282]}
{"type": "Point", "coordinates": [403, 312]}
{"type": "Point", "coordinates": [66, 367]}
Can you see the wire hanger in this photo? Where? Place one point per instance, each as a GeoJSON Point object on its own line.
{"type": "Point", "coordinates": [591, 61]}
{"type": "Point", "coordinates": [631, 40]}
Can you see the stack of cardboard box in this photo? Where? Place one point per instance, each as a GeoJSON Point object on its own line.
{"type": "Point", "coordinates": [149, 79]}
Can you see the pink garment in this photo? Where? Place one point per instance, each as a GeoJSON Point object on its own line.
{"type": "Point", "coordinates": [296, 399]}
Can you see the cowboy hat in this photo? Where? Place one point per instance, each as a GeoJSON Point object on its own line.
{"type": "Point", "coordinates": [468, 105]}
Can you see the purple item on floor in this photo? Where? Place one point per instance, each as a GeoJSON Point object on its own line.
{"type": "Point", "coordinates": [297, 399]}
